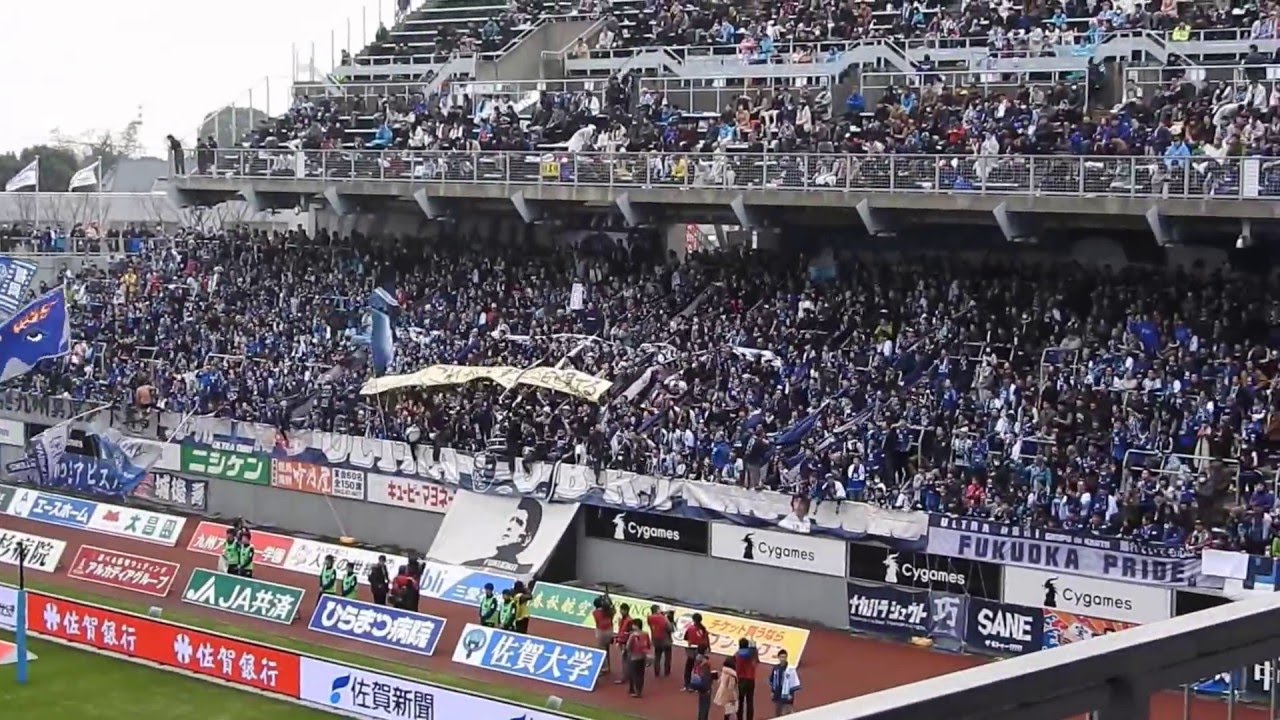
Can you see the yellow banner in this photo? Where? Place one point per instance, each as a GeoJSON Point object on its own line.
{"type": "Point", "coordinates": [567, 381]}
{"type": "Point", "coordinates": [573, 605]}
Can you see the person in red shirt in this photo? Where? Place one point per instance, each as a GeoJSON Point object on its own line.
{"type": "Point", "coordinates": [745, 662]}
{"type": "Point", "coordinates": [602, 618]}
{"type": "Point", "coordinates": [639, 646]}
{"type": "Point", "coordinates": [660, 633]}
{"type": "Point", "coordinates": [696, 640]}
{"type": "Point", "coordinates": [624, 631]}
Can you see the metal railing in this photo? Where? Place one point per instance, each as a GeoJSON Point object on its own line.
{"type": "Point", "coordinates": [1061, 175]}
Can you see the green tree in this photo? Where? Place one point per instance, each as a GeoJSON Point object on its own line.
{"type": "Point", "coordinates": [230, 124]}
{"type": "Point", "coordinates": [57, 165]}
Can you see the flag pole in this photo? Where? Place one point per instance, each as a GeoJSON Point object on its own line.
{"type": "Point", "coordinates": [20, 616]}
{"type": "Point", "coordinates": [37, 196]}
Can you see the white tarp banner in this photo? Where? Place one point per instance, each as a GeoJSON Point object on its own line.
{"type": "Point", "coordinates": [501, 533]}
{"type": "Point", "coordinates": [1219, 563]}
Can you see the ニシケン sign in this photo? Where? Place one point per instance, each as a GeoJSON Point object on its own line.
{"type": "Point", "coordinates": [1100, 557]}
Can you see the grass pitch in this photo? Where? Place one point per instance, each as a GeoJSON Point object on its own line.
{"type": "Point", "coordinates": [70, 683]}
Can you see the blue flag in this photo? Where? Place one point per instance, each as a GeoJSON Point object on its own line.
{"type": "Point", "coordinates": [382, 343]}
{"type": "Point", "coordinates": [15, 277]}
{"type": "Point", "coordinates": [37, 332]}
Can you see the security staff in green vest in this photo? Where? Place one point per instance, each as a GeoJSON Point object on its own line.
{"type": "Point", "coordinates": [488, 607]}
{"type": "Point", "coordinates": [350, 582]}
{"type": "Point", "coordinates": [507, 615]}
{"type": "Point", "coordinates": [231, 553]}
{"type": "Point", "coordinates": [328, 577]}
{"type": "Point", "coordinates": [246, 554]}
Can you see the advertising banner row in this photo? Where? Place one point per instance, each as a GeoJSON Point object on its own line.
{"type": "Point", "coordinates": [90, 515]}
{"type": "Point", "coordinates": [957, 622]}
{"type": "Point", "coordinates": [343, 688]}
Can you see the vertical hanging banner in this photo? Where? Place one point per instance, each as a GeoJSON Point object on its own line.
{"type": "Point", "coordinates": [1003, 629]}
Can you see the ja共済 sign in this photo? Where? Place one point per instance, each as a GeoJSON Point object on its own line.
{"type": "Point", "coordinates": [243, 596]}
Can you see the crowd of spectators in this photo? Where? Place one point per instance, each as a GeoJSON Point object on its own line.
{"type": "Point", "coordinates": [789, 31]}
{"type": "Point", "coordinates": [1134, 403]}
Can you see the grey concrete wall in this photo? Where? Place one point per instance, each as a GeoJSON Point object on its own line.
{"type": "Point", "coordinates": [327, 516]}
{"type": "Point", "coordinates": [713, 582]}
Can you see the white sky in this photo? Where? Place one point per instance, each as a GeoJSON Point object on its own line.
{"type": "Point", "coordinates": [87, 65]}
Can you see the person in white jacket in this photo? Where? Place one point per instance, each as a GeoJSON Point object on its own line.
{"type": "Point", "coordinates": [784, 683]}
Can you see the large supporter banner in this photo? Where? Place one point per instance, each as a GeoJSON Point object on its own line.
{"type": "Point", "coordinates": [382, 459]}
{"type": "Point", "coordinates": [305, 557]}
{"type": "Point", "coordinates": [346, 689]}
{"type": "Point", "coordinates": [573, 606]}
{"type": "Point", "coordinates": [1108, 599]}
{"type": "Point", "coordinates": [922, 570]}
{"type": "Point", "coordinates": [778, 550]}
{"type": "Point", "coordinates": [501, 533]}
{"type": "Point", "coordinates": [888, 609]}
{"type": "Point", "coordinates": [1004, 629]}
{"type": "Point", "coordinates": [1063, 628]}
{"type": "Point", "coordinates": [42, 553]}
{"type": "Point", "coordinates": [541, 659]}
{"type": "Point", "coordinates": [665, 532]}
{"type": "Point", "coordinates": [718, 503]}
{"type": "Point", "coordinates": [94, 516]}
{"type": "Point", "coordinates": [1100, 557]}
{"type": "Point", "coordinates": [387, 627]}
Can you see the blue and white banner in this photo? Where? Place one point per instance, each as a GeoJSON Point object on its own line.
{"type": "Point", "coordinates": [560, 482]}
{"type": "Point", "coordinates": [15, 278]}
{"type": "Point", "coordinates": [1002, 628]}
{"type": "Point", "coordinates": [888, 609]}
{"type": "Point", "coordinates": [55, 509]}
{"type": "Point", "coordinates": [377, 625]}
{"type": "Point", "coordinates": [1090, 556]}
{"type": "Point", "coordinates": [356, 692]}
{"type": "Point", "coordinates": [542, 659]}
{"type": "Point", "coordinates": [48, 449]}
{"type": "Point", "coordinates": [459, 584]}
{"type": "Point", "coordinates": [39, 331]}
{"type": "Point", "coordinates": [948, 613]}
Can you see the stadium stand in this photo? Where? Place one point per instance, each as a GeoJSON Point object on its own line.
{"type": "Point", "coordinates": [1131, 403]}
{"type": "Point", "coordinates": [1119, 402]}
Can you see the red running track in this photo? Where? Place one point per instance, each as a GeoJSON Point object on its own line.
{"type": "Point", "coordinates": [836, 665]}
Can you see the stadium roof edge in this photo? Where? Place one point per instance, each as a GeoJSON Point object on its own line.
{"type": "Point", "coordinates": [1114, 674]}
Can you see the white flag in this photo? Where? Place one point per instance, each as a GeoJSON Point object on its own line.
{"type": "Point", "coordinates": [87, 176]}
{"type": "Point", "coordinates": [48, 448]}
{"type": "Point", "coordinates": [28, 176]}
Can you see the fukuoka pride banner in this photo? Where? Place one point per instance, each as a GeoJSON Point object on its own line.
{"type": "Point", "coordinates": [1100, 557]}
